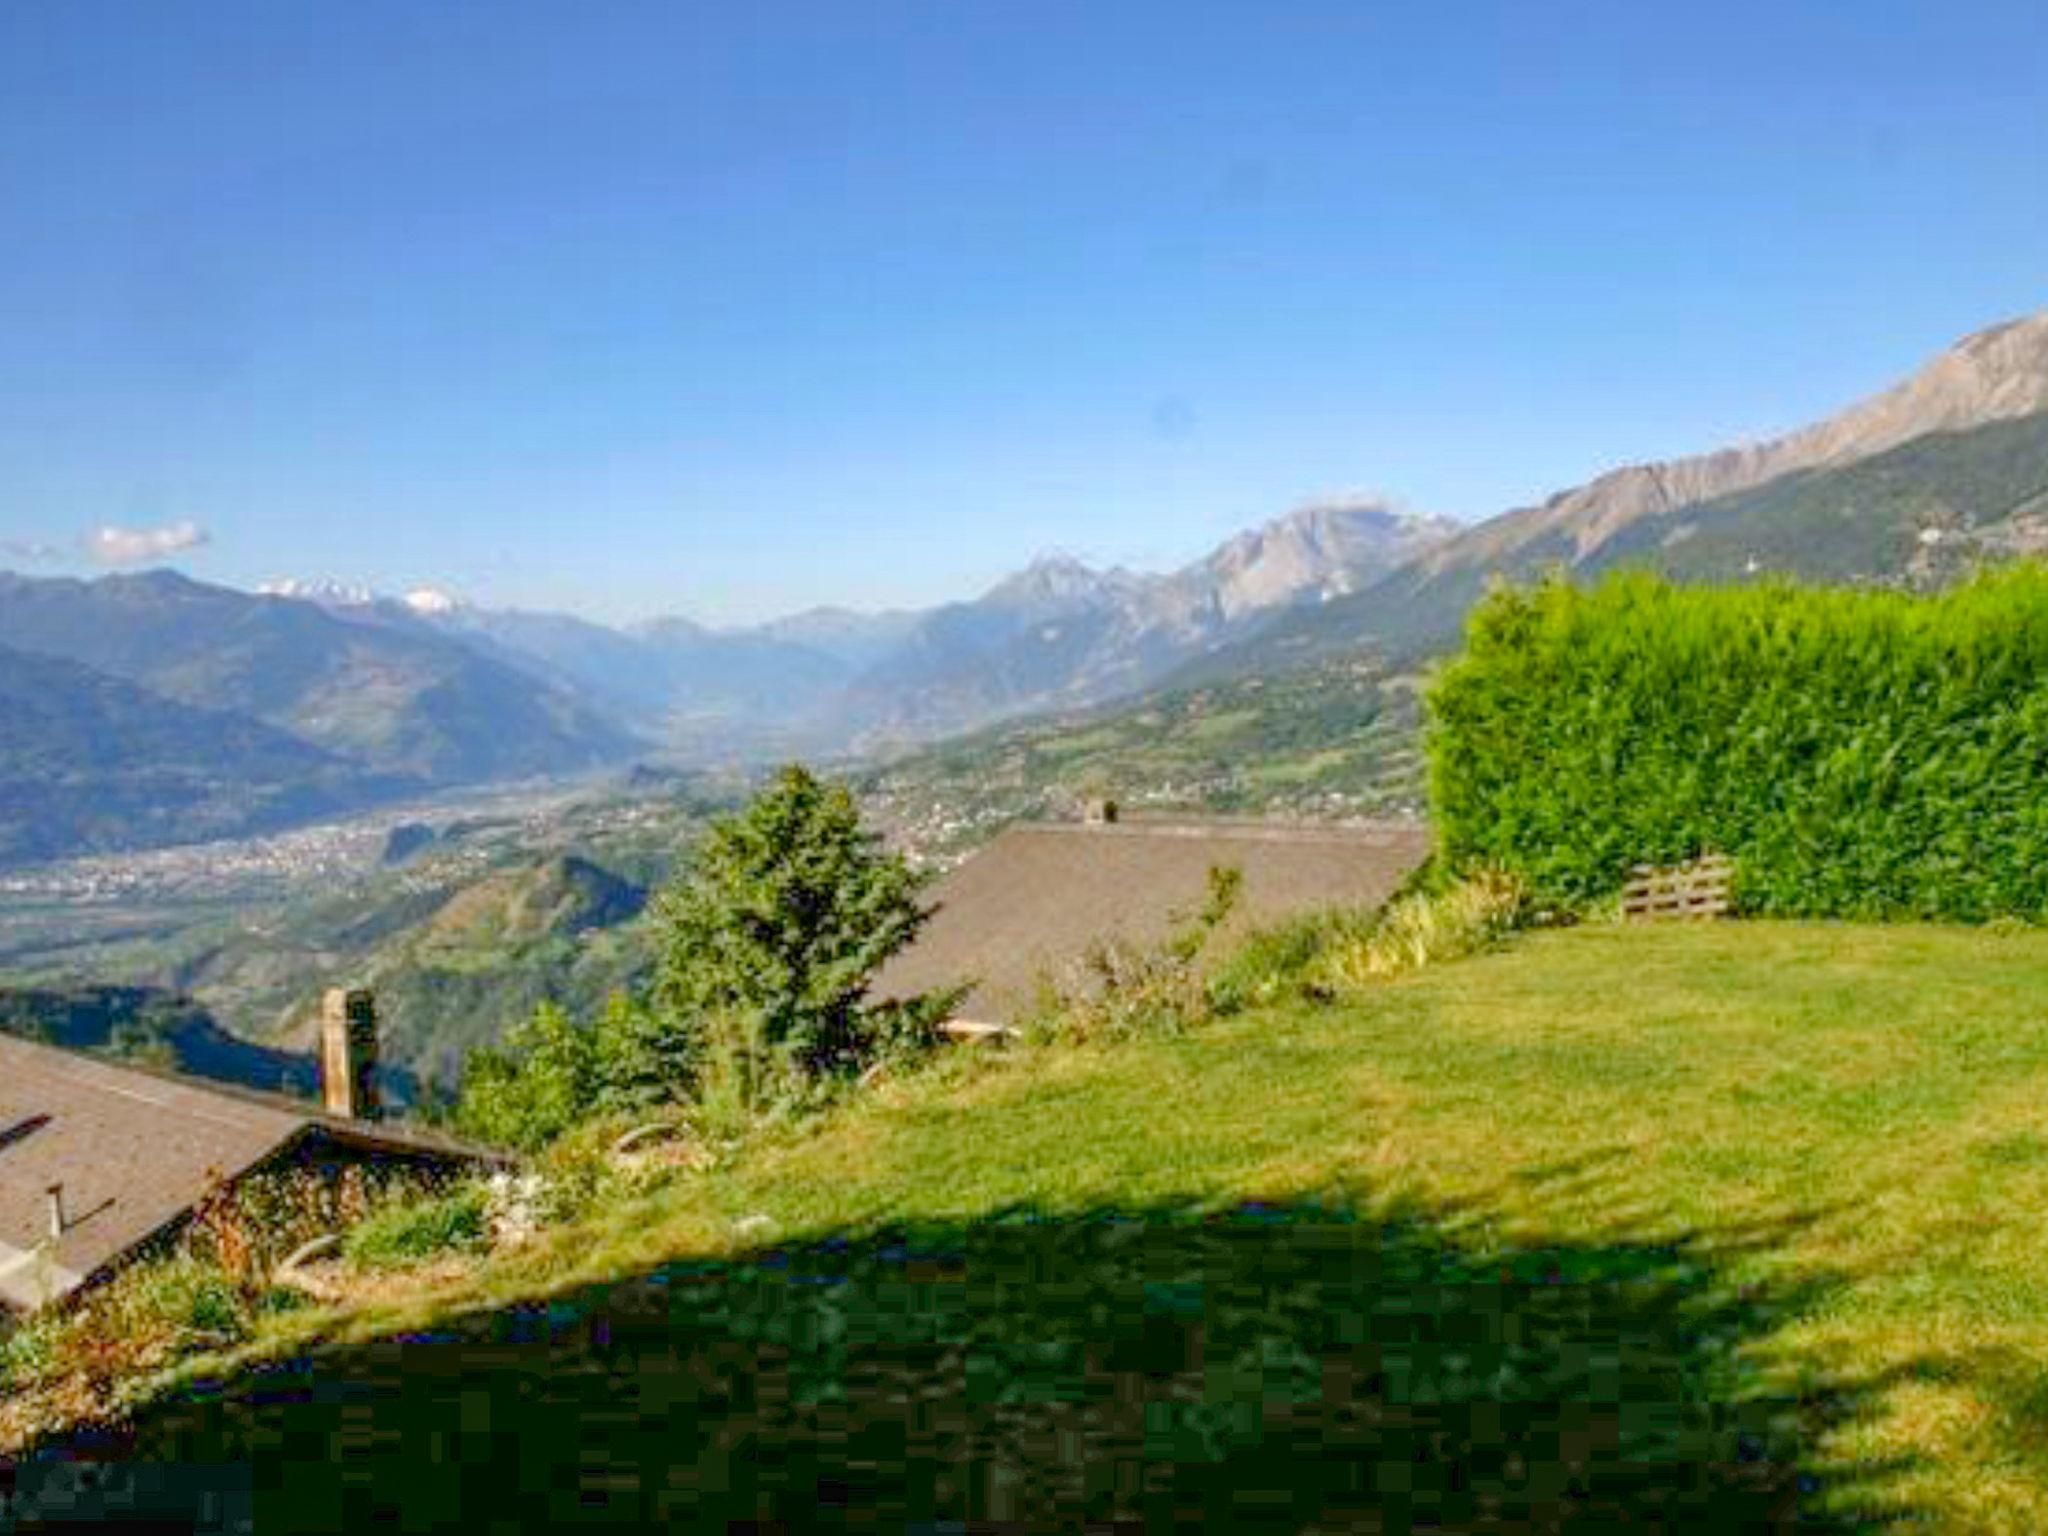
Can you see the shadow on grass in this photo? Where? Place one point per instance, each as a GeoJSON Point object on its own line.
{"type": "Point", "coordinates": [1271, 1369]}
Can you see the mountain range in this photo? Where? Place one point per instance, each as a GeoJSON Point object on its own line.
{"type": "Point", "coordinates": [157, 708]}
{"type": "Point", "coordinates": [90, 763]}
{"type": "Point", "coordinates": [1055, 634]}
{"type": "Point", "coordinates": [1912, 484]}
{"type": "Point", "coordinates": [152, 709]}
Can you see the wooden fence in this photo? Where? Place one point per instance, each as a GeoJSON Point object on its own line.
{"type": "Point", "coordinates": [1699, 889]}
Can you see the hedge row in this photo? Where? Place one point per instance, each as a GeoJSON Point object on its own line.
{"type": "Point", "coordinates": [1860, 753]}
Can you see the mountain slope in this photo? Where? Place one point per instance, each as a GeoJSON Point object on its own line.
{"type": "Point", "coordinates": [1917, 513]}
{"type": "Point", "coordinates": [1960, 441]}
{"type": "Point", "coordinates": [1994, 375]}
{"type": "Point", "coordinates": [456, 957]}
{"type": "Point", "coordinates": [855, 640]}
{"type": "Point", "coordinates": [91, 763]}
{"type": "Point", "coordinates": [399, 701]}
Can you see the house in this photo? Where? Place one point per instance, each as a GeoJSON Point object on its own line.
{"type": "Point", "coordinates": [1028, 907]}
{"type": "Point", "coordinates": [101, 1162]}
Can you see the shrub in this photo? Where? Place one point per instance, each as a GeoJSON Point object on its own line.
{"type": "Point", "coordinates": [1426, 928]}
{"type": "Point", "coordinates": [1282, 961]}
{"type": "Point", "coordinates": [581, 1174]}
{"type": "Point", "coordinates": [553, 1072]}
{"type": "Point", "coordinates": [246, 1228]}
{"type": "Point", "coordinates": [406, 1232]}
{"type": "Point", "coordinates": [137, 1321]}
{"type": "Point", "coordinates": [1126, 989]}
{"type": "Point", "coordinates": [541, 1082]}
{"type": "Point", "coordinates": [1858, 753]}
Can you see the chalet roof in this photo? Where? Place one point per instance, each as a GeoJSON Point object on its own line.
{"type": "Point", "coordinates": [135, 1150]}
{"type": "Point", "coordinates": [1031, 903]}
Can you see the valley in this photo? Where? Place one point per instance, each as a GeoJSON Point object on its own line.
{"type": "Point", "coordinates": [1277, 676]}
{"type": "Point", "coordinates": [518, 894]}
{"type": "Point", "coordinates": [512, 895]}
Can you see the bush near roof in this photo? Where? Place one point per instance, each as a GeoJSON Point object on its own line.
{"type": "Point", "coordinates": [1860, 753]}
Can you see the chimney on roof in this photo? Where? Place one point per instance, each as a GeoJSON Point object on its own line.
{"type": "Point", "coordinates": [348, 1053]}
{"type": "Point", "coordinates": [56, 1194]}
{"type": "Point", "coordinates": [1099, 812]}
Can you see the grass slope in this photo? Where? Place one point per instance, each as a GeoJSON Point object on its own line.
{"type": "Point", "coordinates": [1619, 1224]}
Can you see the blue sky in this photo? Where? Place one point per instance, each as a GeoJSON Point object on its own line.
{"type": "Point", "coordinates": [728, 309]}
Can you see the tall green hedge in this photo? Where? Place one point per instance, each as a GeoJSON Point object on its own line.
{"type": "Point", "coordinates": [1860, 753]}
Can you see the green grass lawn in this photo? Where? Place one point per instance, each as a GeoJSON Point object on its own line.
{"type": "Point", "coordinates": [1699, 1226]}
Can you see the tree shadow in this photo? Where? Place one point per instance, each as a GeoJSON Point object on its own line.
{"type": "Point", "coordinates": [1296, 1369]}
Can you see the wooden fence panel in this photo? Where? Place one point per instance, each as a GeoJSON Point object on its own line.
{"type": "Point", "coordinates": [1699, 889]}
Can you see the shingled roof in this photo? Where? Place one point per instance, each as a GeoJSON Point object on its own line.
{"type": "Point", "coordinates": [1030, 904]}
{"type": "Point", "coordinates": [135, 1150]}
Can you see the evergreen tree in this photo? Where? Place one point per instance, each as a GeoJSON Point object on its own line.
{"type": "Point", "coordinates": [781, 919]}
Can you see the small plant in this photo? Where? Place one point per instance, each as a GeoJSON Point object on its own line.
{"type": "Point", "coordinates": [407, 1232]}
{"type": "Point", "coordinates": [24, 1353]}
{"type": "Point", "coordinates": [1426, 928]}
{"type": "Point", "coordinates": [742, 1075]}
{"type": "Point", "coordinates": [279, 1300]}
{"type": "Point", "coordinates": [212, 1306]}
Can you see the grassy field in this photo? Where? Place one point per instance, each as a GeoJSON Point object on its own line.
{"type": "Point", "coordinates": [1699, 1226]}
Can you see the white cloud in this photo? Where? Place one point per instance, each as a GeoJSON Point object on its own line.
{"type": "Point", "coordinates": [136, 546]}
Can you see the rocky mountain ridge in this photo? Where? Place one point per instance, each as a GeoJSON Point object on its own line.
{"type": "Point", "coordinates": [1992, 375]}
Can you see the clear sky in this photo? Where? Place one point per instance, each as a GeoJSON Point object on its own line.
{"type": "Point", "coordinates": [727, 309]}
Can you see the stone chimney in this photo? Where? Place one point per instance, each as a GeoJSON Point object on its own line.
{"type": "Point", "coordinates": [348, 1053]}
{"type": "Point", "coordinates": [1100, 812]}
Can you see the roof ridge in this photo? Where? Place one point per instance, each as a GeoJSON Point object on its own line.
{"type": "Point", "coordinates": [1372, 833]}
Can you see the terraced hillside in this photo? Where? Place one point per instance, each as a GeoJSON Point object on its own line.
{"type": "Point", "coordinates": [1336, 740]}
